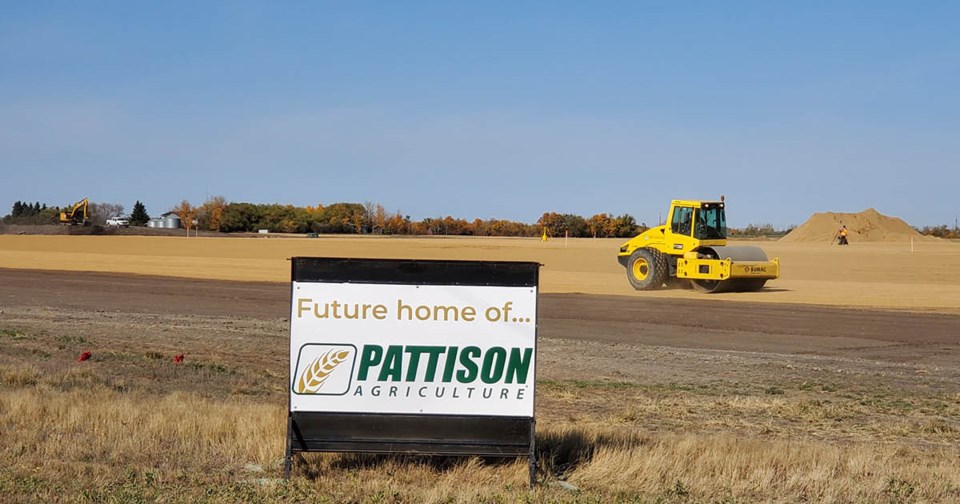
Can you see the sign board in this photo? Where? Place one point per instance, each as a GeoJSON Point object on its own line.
{"type": "Point", "coordinates": [405, 356]}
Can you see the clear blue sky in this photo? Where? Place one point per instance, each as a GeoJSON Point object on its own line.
{"type": "Point", "coordinates": [487, 109]}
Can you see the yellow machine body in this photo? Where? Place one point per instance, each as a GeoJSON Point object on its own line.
{"type": "Point", "coordinates": [77, 215]}
{"type": "Point", "coordinates": [692, 246]}
{"type": "Point", "coordinates": [691, 266]}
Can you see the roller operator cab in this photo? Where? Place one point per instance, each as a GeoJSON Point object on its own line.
{"type": "Point", "coordinates": [691, 249]}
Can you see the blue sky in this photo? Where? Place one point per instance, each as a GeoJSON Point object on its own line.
{"type": "Point", "coordinates": [486, 109]}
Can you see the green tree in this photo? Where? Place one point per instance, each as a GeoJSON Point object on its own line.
{"type": "Point", "coordinates": [553, 222]}
{"type": "Point", "coordinates": [31, 213]}
{"type": "Point", "coordinates": [139, 216]}
{"type": "Point", "coordinates": [24, 209]}
{"type": "Point", "coordinates": [284, 219]}
{"type": "Point", "coordinates": [341, 218]}
{"type": "Point", "coordinates": [625, 226]}
{"type": "Point", "coordinates": [575, 225]}
{"type": "Point", "coordinates": [239, 217]}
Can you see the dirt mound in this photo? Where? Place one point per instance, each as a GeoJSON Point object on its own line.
{"type": "Point", "coordinates": [866, 226]}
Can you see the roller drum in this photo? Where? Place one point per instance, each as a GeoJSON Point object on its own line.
{"type": "Point", "coordinates": [735, 254]}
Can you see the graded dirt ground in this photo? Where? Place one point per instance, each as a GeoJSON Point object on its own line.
{"type": "Point", "coordinates": [928, 338]}
{"type": "Point", "coordinates": [864, 275]}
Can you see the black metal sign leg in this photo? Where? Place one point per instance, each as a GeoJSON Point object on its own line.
{"type": "Point", "coordinates": [288, 456]}
{"type": "Point", "coordinates": [533, 453]}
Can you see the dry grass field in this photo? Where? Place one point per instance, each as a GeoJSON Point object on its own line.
{"type": "Point", "coordinates": [619, 418]}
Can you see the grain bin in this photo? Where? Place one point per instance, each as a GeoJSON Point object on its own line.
{"type": "Point", "coordinates": [171, 221]}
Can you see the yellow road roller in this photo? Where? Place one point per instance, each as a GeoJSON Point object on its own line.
{"type": "Point", "coordinates": [691, 249]}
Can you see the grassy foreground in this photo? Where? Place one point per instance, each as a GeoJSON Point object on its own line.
{"type": "Point", "coordinates": [129, 426]}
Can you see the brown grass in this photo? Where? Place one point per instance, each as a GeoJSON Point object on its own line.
{"type": "Point", "coordinates": [103, 443]}
{"type": "Point", "coordinates": [130, 426]}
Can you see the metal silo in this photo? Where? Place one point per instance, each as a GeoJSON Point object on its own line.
{"type": "Point", "coordinates": [171, 221]}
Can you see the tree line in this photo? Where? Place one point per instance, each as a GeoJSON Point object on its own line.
{"type": "Point", "coordinates": [216, 214]}
{"type": "Point", "coordinates": [941, 231]}
{"type": "Point", "coordinates": [758, 230]}
{"type": "Point", "coordinates": [25, 213]}
{"type": "Point", "coordinates": [31, 213]}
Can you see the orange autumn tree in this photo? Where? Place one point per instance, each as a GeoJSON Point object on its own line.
{"type": "Point", "coordinates": [397, 224]}
{"type": "Point", "coordinates": [600, 225]}
{"type": "Point", "coordinates": [210, 213]}
{"type": "Point", "coordinates": [379, 219]}
{"type": "Point", "coordinates": [187, 214]}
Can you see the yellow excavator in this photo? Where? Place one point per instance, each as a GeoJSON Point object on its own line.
{"type": "Point", "coordinates": [691, 249]}
{"type": "Point", "coordinates": [77, 215]}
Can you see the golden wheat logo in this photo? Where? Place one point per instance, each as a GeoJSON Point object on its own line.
{"type": "Point", "coordinates": [316, 374]}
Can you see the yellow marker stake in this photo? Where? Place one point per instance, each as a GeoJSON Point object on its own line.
{"type": "Point", "coordinates": [544, 237]}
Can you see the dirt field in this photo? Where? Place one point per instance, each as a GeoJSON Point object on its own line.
{"type": "Point", "coordinates": [867, 275]}
{"type": "Point", "coordinates": [670, 396]}
{"type": "Point", "coordinates": [681, 323]}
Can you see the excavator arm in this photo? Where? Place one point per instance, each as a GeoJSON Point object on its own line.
{"type": "Point", "coordinates": [77, 214]}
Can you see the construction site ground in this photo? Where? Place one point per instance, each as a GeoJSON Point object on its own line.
{"type": "Point", "coordinates": [857, 334]}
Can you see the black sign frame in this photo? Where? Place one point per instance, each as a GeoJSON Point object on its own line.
{"type": "Point", "coordinates": [412, 434]}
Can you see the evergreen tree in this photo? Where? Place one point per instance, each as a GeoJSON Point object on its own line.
{"type": "Point", "coordinates": [17, 209]}
{"type": "Point", "coordinates": [139, 215]}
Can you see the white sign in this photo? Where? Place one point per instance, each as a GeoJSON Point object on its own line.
{"type": "Point", "coordinates": [380, 348]}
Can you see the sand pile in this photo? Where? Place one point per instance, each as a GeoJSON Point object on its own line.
{"type": "Point", "coordinates": [866, 226]}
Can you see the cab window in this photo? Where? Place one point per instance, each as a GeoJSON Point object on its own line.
{"type": "Point", "coordinates": [682, 217]}
{"type": "Point", "coordinates": [711, 223]}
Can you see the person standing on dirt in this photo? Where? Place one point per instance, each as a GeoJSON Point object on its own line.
{"type": "Point", "coordinates": [842, 234]}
